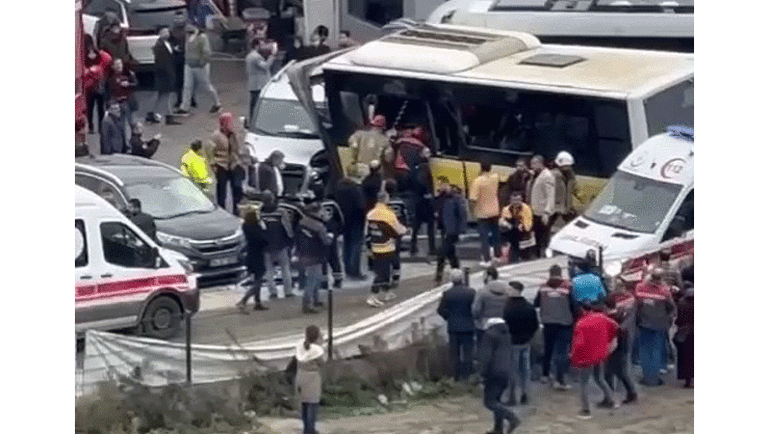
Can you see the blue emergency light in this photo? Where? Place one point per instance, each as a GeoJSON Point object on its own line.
{"type": "Point", "coordinates": [681, 131]}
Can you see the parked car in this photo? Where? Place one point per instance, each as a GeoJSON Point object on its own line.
{"type": "Point", "coordinates": [187, 221]}
{"type": "Point", "coordinates": [142, 19]}
{"type": "Point", "coordinates": [122, 278]}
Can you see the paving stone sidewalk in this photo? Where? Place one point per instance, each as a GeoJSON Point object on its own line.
{"type": "Point", "coordinates": [664, 410]}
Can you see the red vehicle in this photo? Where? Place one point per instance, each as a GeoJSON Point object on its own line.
{"type": "Point", "coordinates": [80, 98]}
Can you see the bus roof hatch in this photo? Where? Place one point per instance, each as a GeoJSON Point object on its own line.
{"type": "Point", "coordinates": [440, 49]}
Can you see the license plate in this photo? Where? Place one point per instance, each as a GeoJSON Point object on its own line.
{"type": "Point", "coordinates": [223, 261]}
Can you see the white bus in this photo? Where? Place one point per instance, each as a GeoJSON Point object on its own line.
{"type": "Point", "coordinates": [645, 24]}
{"type": "Point", "coordinates": [500, 96]}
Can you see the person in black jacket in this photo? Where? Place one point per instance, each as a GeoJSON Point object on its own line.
{"type": "Point", "coordinates": [313, 240]}
{"type": "Point", "coordinates": [521, 318]}
{"type": "Point", "coordinates": [334, 222]}
{"type": "Point", "coordinates": [165, 79]}
{"type": "Point", "coordinates": [421, 192]}
{"type": "Point", "coordinates": [178, 40]}
{"type": "Point", "coordinates": [254, 230]}
{"type": "Point", "coordinates": [139, 146]}
{"type": "Point", "coordinates": [452, 222]}
{"type": "Point", "coordinates": [494, 363]}
{"type": "Point", "coordinates": [455, 308]}
{"type": "Point", "coordinates": [269, 174]}
{"type": "Point", "coordinates": [350, 198]}
{"type": "Point", "coordinates": [142, 220]}
{"type": "Point", "coordinates": [280, 234]}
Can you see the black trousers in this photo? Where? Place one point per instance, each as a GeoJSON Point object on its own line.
{"type": "Point", "coordinates": [96, 99]}
{"type": "Point", "coordinates": [448, 251]}
{"type": "Point", "coordinates": [423, 213]}
{"type": "Point", "coordinates": [556, 343]}
{"type": "Point", "coordinates": [333, 262]}
{"type": "Point", "coordinates": [542, 234]}
{"type": "Point", "coordinates": [382, 264]}
{"type": "Point", "coordinates": [461, 353]}
{"type": "Point", "coordinates": [179, 82]}
{"type": "Point", "coordinates": [253, 96]}
{"type": "Point", "coordinates": [233, 177]}
{"type": "Point", "coordinates": [513, 236]}
{"type": "Point", "coordinates": [493, 390]}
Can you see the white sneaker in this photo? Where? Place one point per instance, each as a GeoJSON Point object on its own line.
{"type": "Point", "coordinates": [373, 301]}
{"type": "Point", "coordinates": [389, 295]}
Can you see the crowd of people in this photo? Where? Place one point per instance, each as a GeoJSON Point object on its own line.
{"type": "Point", "coordinates": [596, 327]}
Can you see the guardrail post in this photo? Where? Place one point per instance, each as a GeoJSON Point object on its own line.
{"type": "Point", "coordinates": [330, 291]}
{"type": "Point", "coordinates": [467, 276]}
{"type": "Point", "coordinates": [188, 346]}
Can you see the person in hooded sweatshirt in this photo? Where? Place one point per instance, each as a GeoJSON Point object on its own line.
{"type": "Point", "coordinates": [494, 365]}
{"type": "Point", "coordinates": [557, 312]}
{"type": "Point", "coordinates": [310, 359]}
{"type": "Point", "coordinates": [489, 302]}
{"type": "Point", "coordinates": [521, 318]}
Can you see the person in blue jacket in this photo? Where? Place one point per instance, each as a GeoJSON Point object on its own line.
{"type": "Point", "coordinates": [587, 285]}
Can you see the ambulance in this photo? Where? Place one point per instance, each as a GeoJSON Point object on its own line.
{"type": "Point", "coordinates": [648, 205]}
{"type": "Point", "coordinates": [122, 278]}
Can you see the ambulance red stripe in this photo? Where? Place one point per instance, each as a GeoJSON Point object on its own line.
{"type": "Point", "coordinates": [126, 287]}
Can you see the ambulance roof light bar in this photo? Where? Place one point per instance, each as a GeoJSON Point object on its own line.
{"type": "Point", "coordinates": [681, 131]}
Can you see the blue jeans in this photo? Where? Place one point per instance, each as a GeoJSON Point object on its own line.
{"type": "Point", "coordinates": [651, 346]}
{"type": "Point", "coordinates": [282, 257]}
{"type": "Point", "coordinates": [309, 416]}
{"type": "Point", "coordinates": [520, 370]}
{"type": "Point", "coordinates": [490, 234]}
{"type": "Point", "coordinates": [313, 276]}
{"type": "Point", "coordinates": [556, 340]}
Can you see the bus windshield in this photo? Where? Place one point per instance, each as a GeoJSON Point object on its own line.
{"type": "Point", "coordinates": [633, 203]}
{"type": "Point", "coordinates": [473, 121]}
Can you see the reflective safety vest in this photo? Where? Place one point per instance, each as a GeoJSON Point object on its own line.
{"type": "Point", "coordinates": [194, 167]}
{"type": "Point", "coordinates": [382, 229]}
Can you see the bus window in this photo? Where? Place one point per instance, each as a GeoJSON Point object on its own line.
{"type": "Point", "coordinates": [510, 124]}
{"type": "Point", "coordinates": [672, 106]}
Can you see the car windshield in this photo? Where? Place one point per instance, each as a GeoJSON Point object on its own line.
{"type": "Point", "coordinates": [285, 118]}
{"type": "Point", "coordinates": [164, 198]}
{"type": "Point", "coordinates": [633, 203]}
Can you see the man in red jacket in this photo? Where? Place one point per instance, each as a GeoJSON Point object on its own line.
{"type": "Point", "coordinates": [593, 340]}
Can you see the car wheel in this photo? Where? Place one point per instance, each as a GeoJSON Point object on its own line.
{"type": "Point", "coordinates": [162, 318]}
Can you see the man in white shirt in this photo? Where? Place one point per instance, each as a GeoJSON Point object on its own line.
{"type": "Point", "coordinates": [542, 200]}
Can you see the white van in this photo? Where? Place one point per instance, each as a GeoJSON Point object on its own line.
{"type": "Point", "coordinates": [647, 205]}
{"type": "Point", "coordinates": [280, 121]}
{"type": "Point", "coordinates": [122, 278]}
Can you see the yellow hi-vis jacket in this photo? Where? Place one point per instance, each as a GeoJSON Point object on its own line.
{"type": "Point", "coordinates": [194, 167]}
{"type": "Point", "coordinates": [382, 228]}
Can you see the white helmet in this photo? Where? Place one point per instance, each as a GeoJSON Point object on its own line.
{"type": "Point", "coordinates": [564, 158]}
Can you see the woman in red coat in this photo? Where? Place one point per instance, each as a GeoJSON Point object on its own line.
{"type": "Point", "coordinates": [97, 64]}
